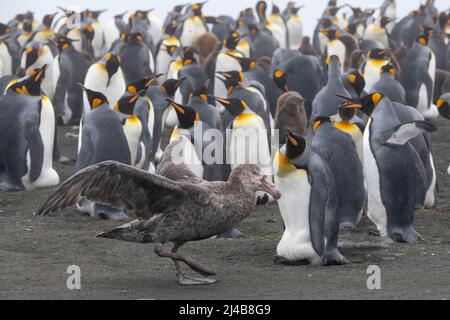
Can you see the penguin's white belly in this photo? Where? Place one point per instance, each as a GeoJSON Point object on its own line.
{"type": "Point", "coordinates": [132, 130]}
{"type": "Point", "coordinates": [448, 170]}
{"type": "Point", "coordinates": [295, 27]}
{"type": "Point", "coordinates": [279, 34]}
{"type": "Point", "coordinates": [162, 63]}
{"type": "Point", "coordinates": [337, 48]}
{"type": "Point", "coordinates": [249, 144]}
{"type": "Point", "coordinates": [116, 87]}
{"type": "Point", "coordinates": [190, 158]}
{"type": "Point", "coordinates": [111, 34]}
{"type": "Point", "coordinates": [224, 63]}
{"type": "Point", "coordinates": [48, 177]}
{"type": "Point", "coordinates": [6, 59]}
{"type": "Point", "coordinates": [155, 27]}
{"type": "Point", "coordinates": [376, 33]}
{"type": "Point", "coordinates": [294, 207]}
{"type": "Point", "coordinates": [98, 40]}
{"type": "Point", "coordinates": [372, 72]}
{"type": "Point", "coordinates": [429, 196]}
{"type": "Point", "coordinates": [192, 29]}
{"type": "Point", "coordinates": [323, 41]}
{"type": "Point", "coordinates": [376, 209]}
{"type": "Point", "coordinates": [77, 35]}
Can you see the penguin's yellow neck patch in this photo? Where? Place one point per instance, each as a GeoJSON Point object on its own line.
{"type": "Point", "coordinates": [282, 164]}
{"type": "Point", "coordinates": [346, 126]}
{"type": "Point", "coordinates": [133, 119]}
{"type": "Point", "coordinates": [175, 134]}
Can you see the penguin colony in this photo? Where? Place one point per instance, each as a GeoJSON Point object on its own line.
{"type": "Point", "coordinates": [351, 104]}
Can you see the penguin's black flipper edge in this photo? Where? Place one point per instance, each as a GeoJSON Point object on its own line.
{"type": "Point", "coordinates": [402, 133]}
{"type": "Point", "coordinates": [36, 148]}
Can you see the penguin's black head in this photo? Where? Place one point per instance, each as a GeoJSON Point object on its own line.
{"type": "Point", "coordinates": [443, 107]}
{"type": "Point", "coordinates": [63, 42]}
{"type": "Point", "coordinates": [356, 80]}
{"type": "Point", "coordinates": [231, 78]}
{"type": "Point", "coordinates": [186, 115]}
{"type": "Point", "coordinates": [170, 86]}
{"type": "Point", "coordinates": [112, 63]}
{"type": "Point", "coordinates": [377, 54]}
{"type": "Point", "coordinates": [4, 29]}
{"type": "Point", "coordinates": [233, 105]}
{"type": "Point", "coordinates": [332, 32]}
{"type": "Point", "coordinates": [48, 20]}
{"type": "Point", "coordinates": [30, 86]}
{"type": "Point", "coordinates": [346, 114]}
{"type": "Point", "coordinates": [197, 8]}
{"type": "Point", "coordinates": [89, 33]}
{"type": "Point", "coordinates": [171, 49]}
{"type": "Point", "coordinates": [171, 28]}
{"type": "Point", "coordinates": [201, 92]}
{"type": "Point", "coordinates": [188, 55]}
{"type": "Point", "coordinates": [261, 7]}
{"type": "Point", "coordinates": [319, 120]}
{"type": "Point", "coordinates": [384, 21]}
{"type": "Point", "coordinates": [27, 26]}
{"type": "Point", "coordinates": [275, 9]}
{"type": "Point", "coordinates": [232, 40]}
{"type": "Point", "coordinates": [142, 84]}
{"type": "Point", "coordinates": [388, 69]}
{"type": "Point", "coordinates": [95, 98]}
{"type": "Point", "coordinates": [279, 77]}
{"type": "Point", "coordinates": [295, 144]}
{"type": "Point", "coordinates": [135, 37]}
{"type": "Point", "coordinates": [245, 63]}
{"type": "Point", "coordinates": [95, 14]}
{"type": "Point", "coordinates": [366, 104]}
{"type": "Point", "coordinates": [31, 55]}
{"type": "Point", "coordinates": [125, 105]}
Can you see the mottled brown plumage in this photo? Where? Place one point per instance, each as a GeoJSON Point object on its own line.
{"type": "Point", "coordinates": [290, 114]}
{"type": "Point", "coordinates": [172, 206]}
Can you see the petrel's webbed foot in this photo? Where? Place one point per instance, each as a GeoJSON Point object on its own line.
{"type": "Point", "coordinates": [182, 278]}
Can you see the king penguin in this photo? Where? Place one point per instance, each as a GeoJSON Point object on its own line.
{"type": "Point", "coordinates": [294, 28]}
{"type": "Point", "coordinates": [391, 167]}
{"type": "Point", "coordinates": [137, 58]}
{"type": "Point", "coordinates": [69, 69]}
{"type": "Point", "coordinates": [335, 47]}
{"type": "Point", "coordinates": [418, 76]}
{"type": "Point", "coordinates": [378, 31]}
{"type": "Point", "coordinates": [27, 126]}
{"type": "Point", "coordinates": [338, 150]}
{"type": "Point", "coordinates": [309, 206]}
{"type": "Point", "coordinates": [166, 49]}
{"type": "Point", "coordinates": [105, 76]}
{"type": "Point", "coordinates": [371, 69]}
{"type": "Point", "coordinates": [101, 138]}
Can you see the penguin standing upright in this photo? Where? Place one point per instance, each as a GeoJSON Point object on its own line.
{"type": "Point", "coordinates": [378, 31]}
{"type": "Point", "coordinates": [277, 31]}
{"type": "Point", "coordinates": [338, 150]}
{"type": "Point", "coordinates": [392, 167]}
{"type": "Point", "coordinates": [136, 58]}
{"type": "Point", "coordinates": [69, 69]}
{"type": "Point", "coordinates": [101, 138]}
{"type": "Point", "coordinates": [290, 115]}
{"type": "Point", "coordinates": [44, 32]}
{"type": "Point", "coordinates": [165, 50]}
{"type": "Point", "coordinates": [105, 76]}
{"type": "Point", "coordinates": [27, 126]}
{"type": "Point", "coordinates": [371, 69]}
{"type": "Point", "coordinates": [355, 129]}
{"type": "Point", "coordinates": [5, 57]}
{"type": "Point", "coordinates": [418, 76]}
{"type": "Point", "coordinates": [294, 26]}
{"type": "Point", "coordinates": [113, 29]}
{"type": "Point", "coordinates": [309, 206]}
{"type": "Point", "coordinates": [335, 47]}
{"type": "Point", "coordinates": [194, 25]}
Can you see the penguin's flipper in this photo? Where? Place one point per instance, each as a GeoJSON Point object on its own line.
{"type": "Point", "coordinates": [317, 205]}
{"type": "Point", "coordinates": [36, 148]}
{"type": "Point", "coordinates": [406, 131]}
{"type": "Point", "coordinates": [86, 152]}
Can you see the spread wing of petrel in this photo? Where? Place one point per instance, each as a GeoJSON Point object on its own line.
{"type": "Point", "coordinates": [116, 184]}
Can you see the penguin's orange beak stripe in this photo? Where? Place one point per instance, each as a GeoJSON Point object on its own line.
{"type": "Point", "coordinates": [223, 101]}
{"type": "Point", "coordinates": [353, 106]}
{"type": "Point", "coordinates": [176, 106]}
{"type": "Point", "coordinates": [292, 140]}
{"type": "Point", "coordinates": [134, 98]}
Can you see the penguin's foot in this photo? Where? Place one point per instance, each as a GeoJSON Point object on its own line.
{"type": "Point", "coordinates": [9, 187]}
{"type": "Point", "coordinates": [231, 234]}
{"type": "Point", "coordinates": [334, 258]}
{"type": "Point", "coordinates": [347, 226]}
{"type": "Point", "coordinates": [185, 280]}
{"type": "Point", "coordinates": [281, 260]}
{"type": "Point", "coordinates": [408, 235]}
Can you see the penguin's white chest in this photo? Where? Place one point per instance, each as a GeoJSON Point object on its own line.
{"type": "Point", "coordinates": [372, 72]}
{"type": "Point", "coordinates": [337, 48]}
{"type": "Point", "coordinates": [295, 243]}
{"type": "Point", "coordinates": [6, 59]}
{"type": "Point", "coordinates": [249, 143]}
{"type": "Point", "coordinates": [133, 129]}
{"type": "Point", "coordinates": [192, 29]}
{"type": "Point", "coordinates": [295, 32]}
{"type": "Point", "coordinates": [375, 32]}
{"type": "Point", "coordinates": [424, 104]}
{"type": "Point", "coordinates": [376, 209]}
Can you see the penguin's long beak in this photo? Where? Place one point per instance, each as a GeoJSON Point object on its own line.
{"type": "Point", "coordinates": [223, 101]}
{"type": "Point", "coordinates": [270, 188]}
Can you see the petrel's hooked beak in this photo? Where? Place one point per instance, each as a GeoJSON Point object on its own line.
{"type": "Point", "coordinates": [270, 188]}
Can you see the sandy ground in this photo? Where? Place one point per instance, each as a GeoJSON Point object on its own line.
{"type": "Point", "coordinates": [35, 254]}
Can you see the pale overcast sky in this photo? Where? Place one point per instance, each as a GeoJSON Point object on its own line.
{"type": "Point", "coordinates": [309, 14]}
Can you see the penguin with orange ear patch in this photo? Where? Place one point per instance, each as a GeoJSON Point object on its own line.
{"type": "Point", "coordinates": [389, 86]}
{"type": "Point", "coordinates": [101, 138]}
{"type": "Point", "coordinates": [443, 104]}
